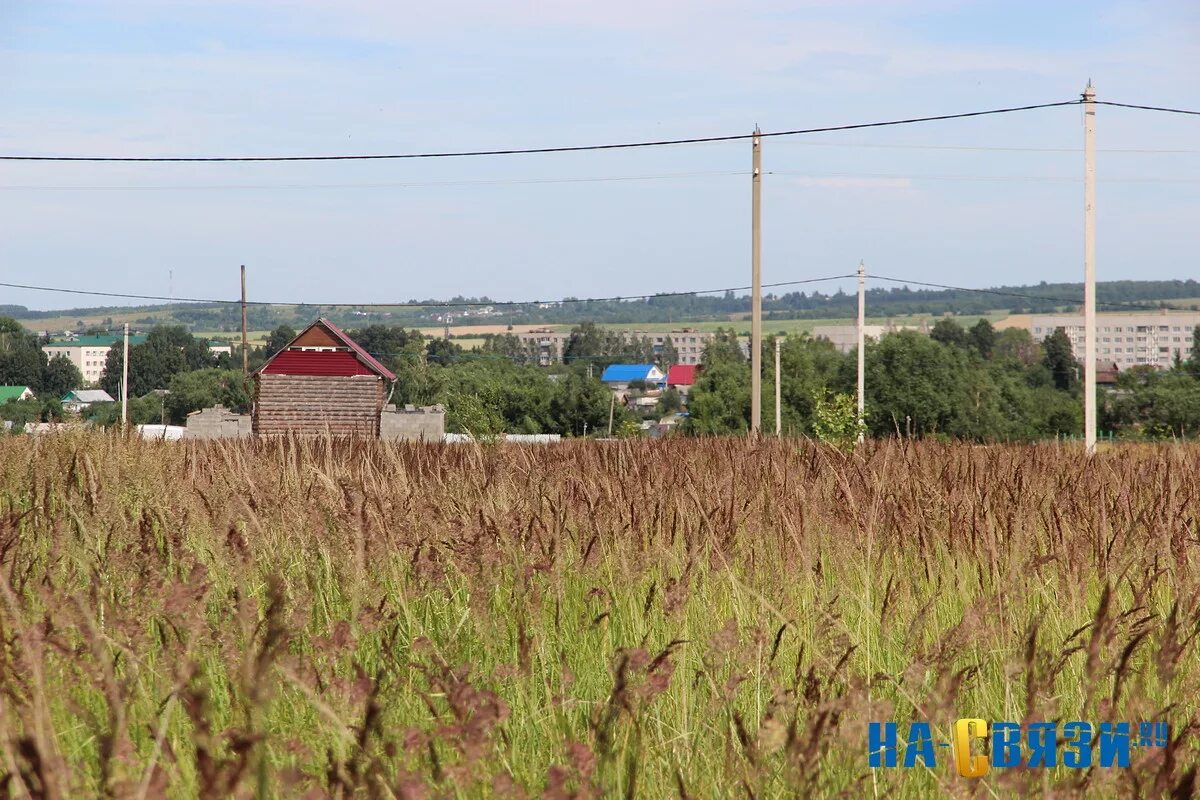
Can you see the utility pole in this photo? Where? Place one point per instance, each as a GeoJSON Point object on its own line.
{"type": "Point", "coordinates": [245, 335]}
{"type": "Point", "coordinates": [756, 286]}
{"type": "Point", "coordinates": [862, 338]}
{"type": "Point", "coordinates": [125, 380]}
{"type": "Point", "coordinates": [612, 405]}
{"type": "Point", "coordinates": [1089, 268]}
{"type": "Point", "coordinates": [778, 408]}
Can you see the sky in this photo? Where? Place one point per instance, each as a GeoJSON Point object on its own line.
{"type": "Point", "coordinates": [978, 202]}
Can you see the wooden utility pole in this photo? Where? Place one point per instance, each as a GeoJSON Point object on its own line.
{"type": "Point", "coordinates": [245, 335]}
{"type": "Point", "coordinates": [862, 338]}
{"type": "Point", "coordinates": [125, 379]}
{"type": "Point", "coordinates": [1089, 268]}
{"type": "Point", "coordinates": [778, 407]}
{"type": "Point", "coordinates": [756, 286]}
{"type": "Point", "coordinates": [612, 406]}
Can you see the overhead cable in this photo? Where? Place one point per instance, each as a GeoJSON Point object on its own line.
{"type": "Point", "coordinates": [558, 149]}
{"type": "Point", "coordinates": [430, 304]}
{"type": "Point", "coordinates": [1148, 108]}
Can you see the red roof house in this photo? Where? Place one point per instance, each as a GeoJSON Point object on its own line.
{"type": "Point", "coordinates": [682, 375]}
{"type": "Point", "coordinates": [1106, 372]}
{"type": "Point", "coordinates": [321, 382]}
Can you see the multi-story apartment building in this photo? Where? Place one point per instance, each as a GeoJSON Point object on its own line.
{"type": "Point", "coordinates": [845, 337]}
{"type": "Point", "coordinates": [688, 342]}
{"type": "Point", "coordinates": [88, 353]}
{"type": "Point", "coordinates": [1126, 339]}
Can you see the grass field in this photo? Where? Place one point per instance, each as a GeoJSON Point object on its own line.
{"type": "Point", "coordinates": [682, 618]}
{"type": "Point", "coordinates": [255, 338]}
{"type": "Point", "coordinates": [70, 322]}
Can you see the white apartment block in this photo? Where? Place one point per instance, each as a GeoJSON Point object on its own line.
{"type": "Point", "coordinates": [845, 337]}
{"type": "Point", "coordinates": [689, 343]}
{"type": "Point", "coordinates": [1127, 339]}
{"type": "Point", "coordinates": [88, 353]}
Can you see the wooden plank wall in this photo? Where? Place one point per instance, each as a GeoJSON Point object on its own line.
{"type": "Point", "coordinates": [317, 404]}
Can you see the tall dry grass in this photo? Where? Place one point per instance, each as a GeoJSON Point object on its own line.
{"type": "Point", "coordinates": [643, 619]}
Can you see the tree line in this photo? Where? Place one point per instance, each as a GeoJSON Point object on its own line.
{"type": "Point", "coordinates": [975, 383]}
{"type": "Point", "coordinates": [979, 384]}
{"type": "Point", "coordinates": [882, 301]}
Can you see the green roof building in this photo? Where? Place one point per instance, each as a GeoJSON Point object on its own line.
{"type": "Point", "coordinates": [15, 393]}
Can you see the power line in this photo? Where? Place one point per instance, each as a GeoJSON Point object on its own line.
{"type": "Point", "coordinates": [993, 149]}
{"type": "Point", "coordinates": [1147, 108]}
{"type": "Point", "coordinates": [431, 304]}
{"type": "Point", "coordinates": [404, 185]}
{"type": "Point", "coordinates": [597, 179]}
{"type": "Point", "coordinates": [996, 178]}
{"type": "Point", "coordinates": [559, 149]}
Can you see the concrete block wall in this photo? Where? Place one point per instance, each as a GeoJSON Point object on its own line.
{"type": "Point", "coordinates": [218, 422]}
{"type": "Point", "coordinates": [412, 423]}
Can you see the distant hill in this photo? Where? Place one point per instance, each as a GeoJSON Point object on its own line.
{"type": "Point", "coordinates": [881, 301]}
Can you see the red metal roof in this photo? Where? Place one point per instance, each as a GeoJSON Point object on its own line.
{"type": "Point", "coordinates": [316, 362]}
{"type": "Point", "coordinates": [326, 362]}
{"type": "Point", "coordinates": [682, 374]}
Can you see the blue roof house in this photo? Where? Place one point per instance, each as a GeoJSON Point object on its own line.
{"type": "Point", "coordinates": [619, 376]}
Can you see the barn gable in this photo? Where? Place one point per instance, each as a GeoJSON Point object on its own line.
{"type": "Point", "coordinates": [324, 349]}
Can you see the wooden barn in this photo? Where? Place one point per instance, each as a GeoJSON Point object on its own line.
{"type": "Point", "coordinates": [321, 382]}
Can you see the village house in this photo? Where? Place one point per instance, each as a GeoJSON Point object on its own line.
{"type": "Point", "coordinates": [77, 400]}
{"type": "Point", "coordinates": [321, 382]}
{"type": "Point", "coordinates": [619, 376]}
{"type": "Point", "coordinates": [682, 377]}
{"type": "Point", "coordinates": [15, 393]}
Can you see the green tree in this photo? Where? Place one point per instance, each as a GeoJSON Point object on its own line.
{"type": "Point", "coordinates": [948, 331]}
{"type": "Point", "coordinates": [442, 351]}
{"type": "Point", "coordinates": [1017, 344]}
{"type": "Point", "coordinates": [167, 351]}
{"type": "Point", "coordinates": [1148, 403]}
{"type": "Point", "coordinates": [278, 339]}
{"type": "Point", "coordinates": [20, 412]}
{"type": "Point", "coordinates": [515, 397]}
{"type": "Point", "coordinates": [394, 346]}
{"type": "Point", "coordinates": [914, 384]}
{"type": "Point", "coordinates": [503, 345]}
{"type": "Point", "coordinates": [192, 391]}
{"type": "Point", "coordinates": [148, 410]}
{"type": "Point", "coordinates": [580, 406]}
{"type": "Point", "coordinates": [809, 368]}
{"type": "Point", "coordinates": [669, 402]}
{"type": "Point", "coordinates": [982, 338]}
{"type": "Point", "coordinates": [60, 376]}
{"type": "Point", "coordinates": [1061, 361]}
{"type": "Point", "coordinates": [668, 354]}
{"type": "Point", "coordinates": [719, 402]}
{"type": "Point", "coordinates": [22, 362]}
{"type": "Point", "coordinates": [476, 413]}
{"type": "Point", "coordinates": [724, 347]}
{"type": "Point", "coordinates": [1194, 361]}
{"type": "Point", "coordinates": [587, 342]}
{"type": "Point", "coordinates": [836, 422]}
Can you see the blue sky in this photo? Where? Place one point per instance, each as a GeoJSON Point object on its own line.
{"type": "Point", "coordinates": [227, 77]}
